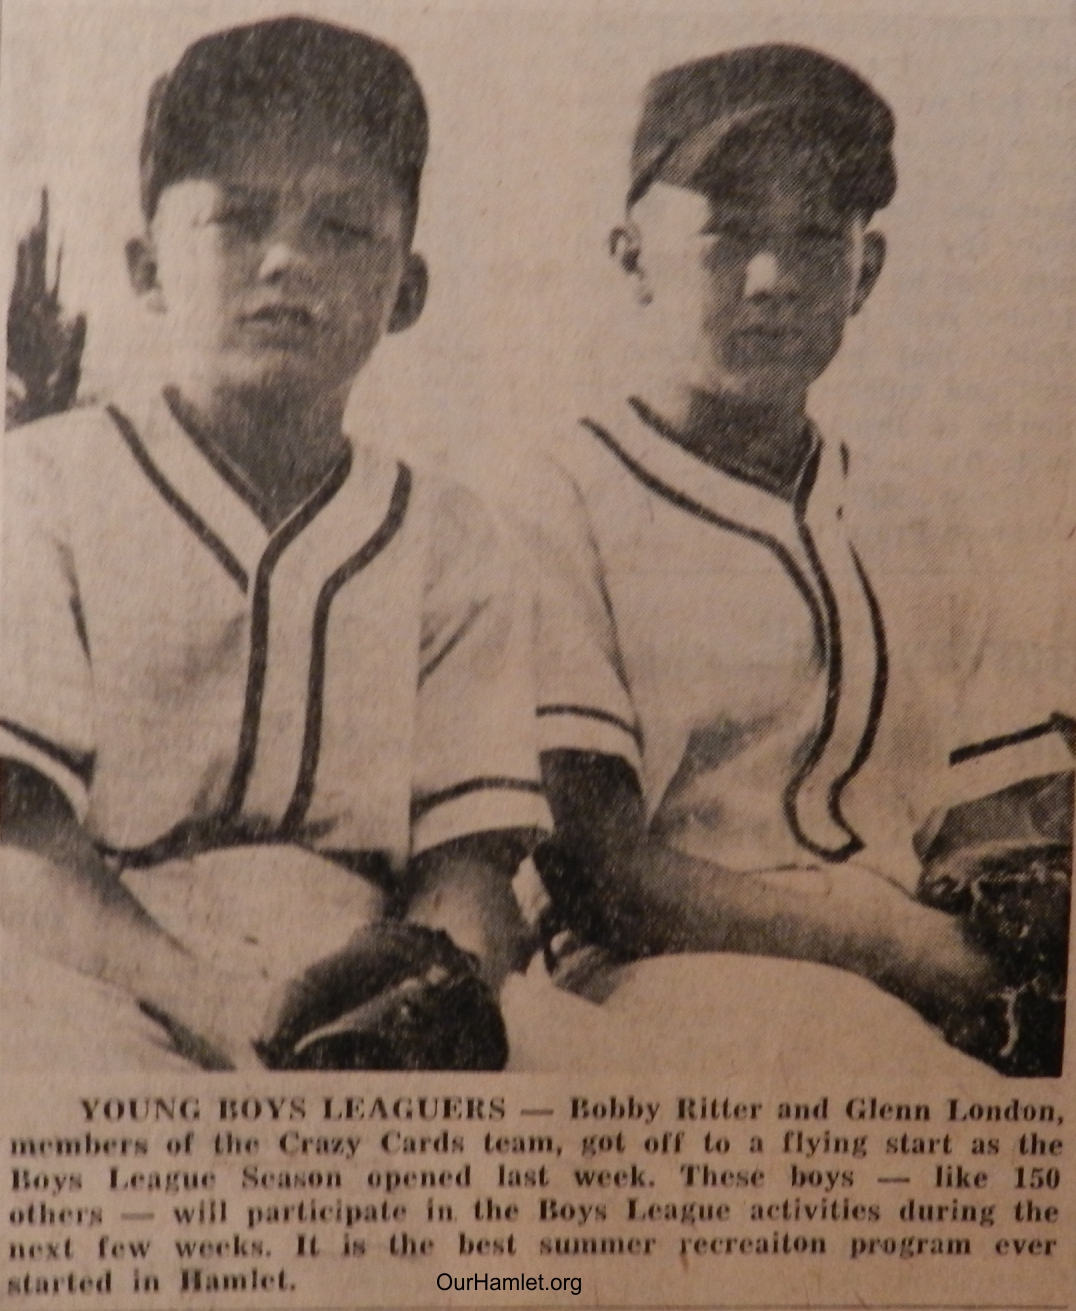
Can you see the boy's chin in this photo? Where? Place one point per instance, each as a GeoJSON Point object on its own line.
{"type": "Point", "coordinates": [278, 377]}
{"type": "Point", "coordinates": [768, 388]}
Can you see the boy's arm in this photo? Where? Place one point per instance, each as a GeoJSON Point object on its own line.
{"type": "Point", "coordinates": [60, 898]}
{"type": "Point", "coordinates": [56, 893]}
{"type": "Point", "coordinates": [465, 888]}
{"type": "Point", "coordinates": [477, 805]}
{"type": "Point", "coordinates": [1032, 812]}
{"type": "Point", "coordinates": [420, 993]}
{"type": "Point", "coordinates": [640, 897]}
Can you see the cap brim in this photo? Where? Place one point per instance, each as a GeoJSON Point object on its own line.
{"type": "Point", "coordinates": [689, 160]}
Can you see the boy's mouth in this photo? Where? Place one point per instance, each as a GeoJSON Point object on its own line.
{"type": "Point", "coordinates": [776, 333]}
{"type": "Point", "coordinates": [769, 340]}
{"type": "Point", "coordinates": [282, 318]}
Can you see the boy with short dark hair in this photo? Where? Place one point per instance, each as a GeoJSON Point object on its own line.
{"type": "Point", "coordinates": [745, 712]}
{"type": "Point", "coordinates": [266, 715]}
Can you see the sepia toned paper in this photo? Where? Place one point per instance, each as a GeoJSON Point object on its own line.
{"type": "Point", "coordinates": [677, 1127]}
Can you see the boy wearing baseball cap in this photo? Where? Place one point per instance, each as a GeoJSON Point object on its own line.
{"type": "Point", "coordinates": [266, 716]}
{"type": "Point", "coordinates": [744, 709]}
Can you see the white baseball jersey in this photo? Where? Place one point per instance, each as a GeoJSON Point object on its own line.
{"type": "Point", "coordinates": [784, 677]}
{"type": "Point", "coordinates": [357, 679]}
{"type": "Point", "coordinates": [1018, 719]}
{"type": "Point", "coordinates": [786, 680]}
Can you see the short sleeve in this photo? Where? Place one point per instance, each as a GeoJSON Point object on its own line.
{"type": "Point", "coordinates": [583, 698]}
{"type": "Point", "coordinates": [1016, 714]}
{"type": "Point", "coordinates": [46, 716]}
{"type": "Point", "coordinates": [476, 760]}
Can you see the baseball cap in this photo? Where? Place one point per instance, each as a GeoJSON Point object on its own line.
{"type": "Point", "coordinates": [691, 111]}
{"type": "Point", "coordinates": [287, 67]}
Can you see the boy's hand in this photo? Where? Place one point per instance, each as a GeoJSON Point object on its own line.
{"type": "Point", "coordinates": [914, 951]}
{"type": "Point", "coordinates": [293, 962]}
{"type": "Point", "coordinates": [209, 1047]}
{"type": "Point", "coordinates": [847, 916]}
{"type": "Point", "coordinates": [977, 954]}
{"type": "Point", "coordinates": [399, 996]}
{"type": "Point", "coordinates": [1011, 902]}
{"type": "Point", "coordinates": [214, 1015]}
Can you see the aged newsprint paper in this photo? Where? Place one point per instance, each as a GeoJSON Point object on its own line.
{"type": "Point", "coordinates": [538, 654]}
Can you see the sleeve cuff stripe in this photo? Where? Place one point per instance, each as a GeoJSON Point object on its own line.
{"type": "Point", "coordinates": [78, 763]}
{"type": "Point", "coordinates": [589, 712]}
{"type": "Point", "coordinates": [1060, 724]}
{"type": "Point", "coordinates": [423, 805]}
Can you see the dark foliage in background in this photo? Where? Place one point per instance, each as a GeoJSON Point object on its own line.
{"type": "Point", "coordinates": [44, 345]}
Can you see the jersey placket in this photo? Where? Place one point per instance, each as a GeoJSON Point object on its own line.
{"type": "Point", "coordinates": [289, 578]}
{"type": "Point", "coordinates": [277, 765]}
{"type": "Point", "coordinates": [812, 548]}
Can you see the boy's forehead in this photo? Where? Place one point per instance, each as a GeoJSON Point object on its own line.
{"type": "Point", "coordinates": [273, 150]}
{"type": "Point", "coordinates": [793, 187]}
{"type": "Point", "coordinates": [285, 134]}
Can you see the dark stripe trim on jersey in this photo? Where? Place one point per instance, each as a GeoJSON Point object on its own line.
{"type": "Point", "coordinates": [834, 677]}
{"type": "Point", "coordinates": [190, 517]}
{"type": "Point", "coordinates": [878, 691]}
{"type": "Point", "coordinates": [700, 511]}
{"type": "Point", "coordinates": [424, 805]}
{"type": "Point", "coordinates": [209, 449]}
{"type": "Point", "coordinates": [589, 712]}
{"type": "Point", "coordinates": [191, 837]}
{"type": "Point", "coordinates": [365, 555]}
{"type": "Point", "coordinates": [79, 763]}
{"type": "Point", "coordinates": [1055, 724]}
{"type": "Point", "coordinates": [666, 430]}
{"type": "Point", "coordinates": [259, 630]}
{"type": "Point", "coordinates": [834, 685]}
{"type": "Point", "coordinates": [827, 634]}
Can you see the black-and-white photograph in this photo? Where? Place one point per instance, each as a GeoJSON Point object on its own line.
{"type": "Point", "coordinates": [537, 538]}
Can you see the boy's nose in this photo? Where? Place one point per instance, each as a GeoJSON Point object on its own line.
{"type": "Point", "coordinates": [283, 255]}
{"type": "Point", "coordinates": [768, 275]}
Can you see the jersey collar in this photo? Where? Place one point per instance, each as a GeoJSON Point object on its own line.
{"type": "Point", "coordinates": [204, 492]}
{"type": "Point", "coordinates": [718, 492]}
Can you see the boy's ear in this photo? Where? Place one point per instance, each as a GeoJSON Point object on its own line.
{"type": "Point", "coordinates": [626, 247]}
{"type": "Point", "coordinates": [411, 296]}
{"type": "Point", "coordinates": [142, 271]}
{"type": "Point", "coordinates": [870, 269]}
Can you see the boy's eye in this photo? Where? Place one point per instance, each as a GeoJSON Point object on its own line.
{"type": "Point", "coordinates": [246, 218]}
{"type": "Point", "coordinates": [821, 234]}
{"type": "Point", "coordinates": [341, 230]}
{"type": "Point", "coordinates": [730, 228]}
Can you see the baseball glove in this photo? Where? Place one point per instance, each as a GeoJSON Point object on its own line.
{"type": "Point", "coordinates": [400, 996]}
{"type": "Point", "coordinates": [1014, 902]}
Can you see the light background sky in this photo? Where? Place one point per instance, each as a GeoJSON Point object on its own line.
{"type": "Point", "coordinates": [960, 369]}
